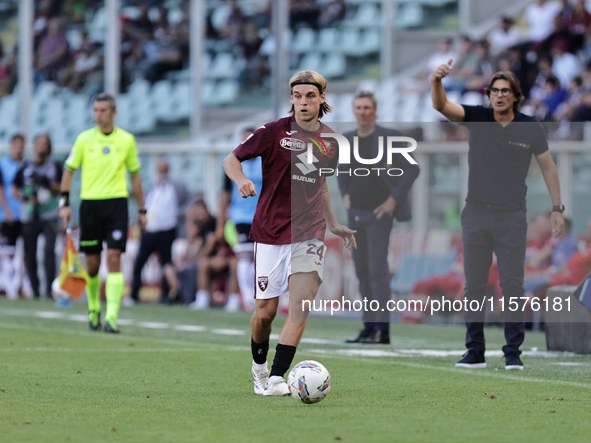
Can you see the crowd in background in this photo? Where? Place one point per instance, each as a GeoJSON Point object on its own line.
{"type": "Point", "coordinates": [548, 48]}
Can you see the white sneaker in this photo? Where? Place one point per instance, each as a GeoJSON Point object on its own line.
{"type": "Point", "coordinates": [276, 386]}
{"type": "Point", "coordinates": [260, 378]}
{"type": "Point", "coordinates": [201, 302]}
{"type": "Point", "coordinates": [127, 302]}
{"type": "Point", "coordinates": [233, 304]}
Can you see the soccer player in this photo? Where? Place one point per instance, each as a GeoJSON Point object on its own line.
{"type": "Point", "coordinates": [494, 218]}
{"type": "Point", "coordinates": [10, 214]}
{"type": "Point", "coordinates": [289, 223]}
{"type": "Point", "coordinates": [241, 213]}
{"type": "Point", "coordinates": [104, 152]}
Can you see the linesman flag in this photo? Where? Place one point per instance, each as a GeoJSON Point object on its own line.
{"type": "Point", "coordinates": [72, 278]}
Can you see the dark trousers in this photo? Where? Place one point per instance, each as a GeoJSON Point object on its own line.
{"type": "Point", "coordinates": [371, 264]}
{"type": "Point", "coordinates": [487, 229]}
{"type": "Point", "coordinates": [31, 231]}
{"type": "Point", "coordinates": [160, 241]}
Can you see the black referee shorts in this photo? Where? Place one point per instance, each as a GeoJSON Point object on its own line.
{"type": "Point", "coordinates": [103, 220]}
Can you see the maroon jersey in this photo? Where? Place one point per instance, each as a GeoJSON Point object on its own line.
{"type": "Point", "coordinates": [290, 207]}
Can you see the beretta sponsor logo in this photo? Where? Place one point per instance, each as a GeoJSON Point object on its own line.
{"type": "Point", "coordinates": [293, 144]}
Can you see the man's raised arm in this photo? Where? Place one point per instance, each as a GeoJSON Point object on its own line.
{"type": "Point", "coordinates": [452, 111]}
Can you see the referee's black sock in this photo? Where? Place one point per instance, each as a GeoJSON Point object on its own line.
{"type": "Point", "coordinates": [283, 357]}
{"type": "Point", "coordinates": [259, 351]}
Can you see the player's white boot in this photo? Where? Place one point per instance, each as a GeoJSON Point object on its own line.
{"type": "Point", "coordinates": [276, 386]}
{"type": "Point", "coordinates": [233, 304]}
{"type": "Point", "coordinates": [260, 378]}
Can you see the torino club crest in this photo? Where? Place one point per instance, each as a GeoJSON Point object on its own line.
{"type": "Point", "coordinates": [263, 283]}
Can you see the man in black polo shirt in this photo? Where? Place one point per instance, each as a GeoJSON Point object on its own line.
{"type": "Point", "coordinates": [494, 218]}
{"type": "Point", "coordinates": [373, 201]}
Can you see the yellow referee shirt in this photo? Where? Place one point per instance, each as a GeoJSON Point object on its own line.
{"type": "Point", "coordinates": [104, 159]}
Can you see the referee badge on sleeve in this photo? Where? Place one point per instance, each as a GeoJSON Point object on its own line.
{"type": "Point", "coordinates": [263, 283]}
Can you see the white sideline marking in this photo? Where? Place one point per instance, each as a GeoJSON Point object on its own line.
{"type": "Point", "coordinates": [477, 372]}
{"type": "Point", "coordinates": [567, 363]}
{"type": "Point", "coordinates": [189, 328]}
{"type": "Point", "coordinates": [78, 317]}
{"type": "Point", "coordinates": [228, 332]}
{"type": "Point", "coordinates": [153, 325]}
{"type": "Point", "coordinates": [317, 341]}
{"type": "Point", "coordinates": [48, 314]}
{"type": "Point", "coordinates": [125, 322]}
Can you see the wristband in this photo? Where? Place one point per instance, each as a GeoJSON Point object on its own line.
{"type": "Point", "coordinates": [558, 208]}
{"type": "Point", "coordinates": [64, 199]}
{"type": "Point", "coordinates": [142, 211]}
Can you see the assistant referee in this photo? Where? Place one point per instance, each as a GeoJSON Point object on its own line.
{"type": "Point", "coordinates": [104, 152]}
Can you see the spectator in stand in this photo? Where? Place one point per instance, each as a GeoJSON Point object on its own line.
{"type": "Point", "coordinates": [37, 183]}
{"type": "Point", "coordinates": [168, 53]}
{"type": "Point", "coordinates": [503, 37]}
{"type": "Point", "coordinates": [544, 71]}
{"type": "Point", "coordinates": [256, 68]}
{"type": "Point", "coordinates": [231, 29]}
{"type": "Point", "coordinates": [53, 53]}
{"type": "Point", "coordinates": [580, 19]}
{"type": "Point", "coordinates": [539, 16]}
{"type": "Point", "coordinates": [574, 271]}
{"type": "Point", "coordinates": [561, 33]}
{"type": "Point", "coordinates": [554, 96]}
{"type": "Point", "coordinates": [165, 200]}
{"type": "Point", "coordinates": [443, 54]}
{"type": "Point", "coordinates": [10, 213]}
{"type": "Point", "coordinates": [565, 65]}
{"type": "Point", "coordinates": [332, 13]}
{"type": "Point", "coordinates": [560, 250]}
{"type": "Point", "coordinates": [483, 70]}
{"type": "Point", "coordinates": [465, 64]}
{"type": "Point", "coordinates": [7, 74]}
{"type": "Point", "coordinates": [304, 12]}
{"type": "Point", "coordinates": [45, 12]}
{"type": "Point", "coordinates": [85, 70]}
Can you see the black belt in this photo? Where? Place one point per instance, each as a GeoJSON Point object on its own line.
{"type": "Point", "coordinates": [498, 207]}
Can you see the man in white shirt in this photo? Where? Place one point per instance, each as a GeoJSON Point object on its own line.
{"type": "Point", "coordinates": [540, 18]}
{"type": "Point", "coordinates": [164, 201]}
{"type": "Point", "coordinates": [503, 37]}
{"type": "Point", "coordinates": [564, 64]}
{"type": "Point", "coordinates": [444, 53]}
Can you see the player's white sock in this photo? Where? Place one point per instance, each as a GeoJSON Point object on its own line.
{"type": "Point", "coordinates": [201, 300]}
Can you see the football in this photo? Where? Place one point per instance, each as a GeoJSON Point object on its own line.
{"type": "Point", "coordinates": [309, 382]}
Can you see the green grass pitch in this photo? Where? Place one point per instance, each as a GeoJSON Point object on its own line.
{"type": "Point", "coordinates": [179, 376]}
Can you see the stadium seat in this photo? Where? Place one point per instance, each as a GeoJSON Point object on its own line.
{"type": "Point", "coordinates": [312, 61]}
{"type": "Point", "coordinates": [9, 114]}
{"type": "Point", "coordinates": [97, 26]}
{"type": "Point", "coordinates": [345, 106]}
{"type": "Point", "coordinates": [46, 89]}
{"type": "Point", "coordinates": [181, 96]}
{"type": "Point", "coordinates": [222, 66]}
{"type": "Point", "coordinates": [226, 92]}
{"type": "Point", "coordinates": [410, 107]}
{"type": "Point", "coordinates": [160, 96]}
{"type": "Point", "coordinates": [303, 41]}
{"type": "Point", "coordinates": [335, 66]}
{"type": "Point", "coordinates": [74, 39]}
{"type": "Point", "coordinates": [349, 42]}
{"type": "Point", "coordinates": [328, 40]}
{"type": "Point", "coordinates": [367, 15]}
{"type": "Point", "coordinates": [408, 15]}
{"type": "Point", "coordinates": [208, 94]}
{"type": "Point", "coordinates": [370, 42]}
{"type": "Point", "coordinates": [408, 273]}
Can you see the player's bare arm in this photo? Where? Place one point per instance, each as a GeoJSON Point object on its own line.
{"type": "Point", "coordinates": [337, 229]}
{"type": "Point", "coordinates": [5, 207]}
{"type": "Point", "coordinates": [138, 194]}
{"type": "Point", "coordinates": [452, 111]}
{"type": "Point", "coordinates": [550, 174]}
{"type": "Point", "coordinates": [233, 169]}
{"type": "Point", "coordinates": [65, 210]}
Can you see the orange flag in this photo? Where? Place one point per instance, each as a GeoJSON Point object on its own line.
{"type": "Point", "coordinates": [72, 278]}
